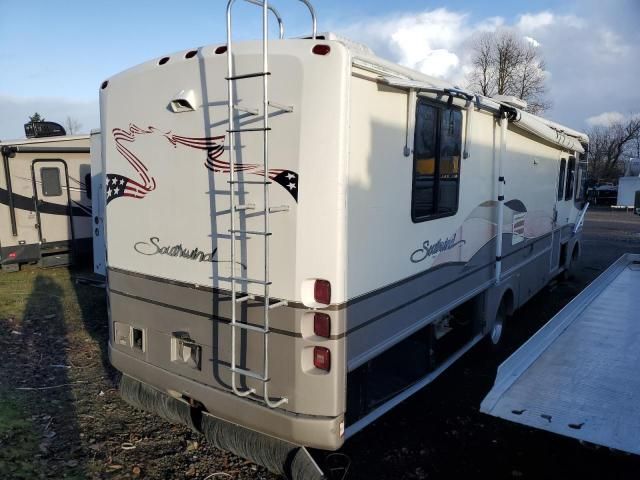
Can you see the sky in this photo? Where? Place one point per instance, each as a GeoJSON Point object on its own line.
{"type": "Point", "coordinates": [54, 55]}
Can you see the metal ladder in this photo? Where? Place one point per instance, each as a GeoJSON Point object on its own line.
{"type": "Point", "coordinates": [238, 297]}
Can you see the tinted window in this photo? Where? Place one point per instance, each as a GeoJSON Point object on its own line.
{"type": "Point", "coordinates": [563, 168]}
{"type": "Point", "coordinates": [449, 164]}
{"type": "Point", "coordinates": [568, 192]}
{"type": "Point", "coordinates": [87, 185]}
{"type": "Point", "coordinates": [51, 186]}
{"type": "Point", "coordinates": [436, 169]}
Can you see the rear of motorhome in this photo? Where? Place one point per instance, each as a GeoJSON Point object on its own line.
{"type": "Point", "coordinates": [300, 234]}
{"type": "Point", "coordinates": [45, 204]}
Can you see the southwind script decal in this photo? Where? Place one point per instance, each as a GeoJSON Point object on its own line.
{"type": "Point", "coordinates": [428, 250]}
{"type": "Point", "coordinates": [153, 247]}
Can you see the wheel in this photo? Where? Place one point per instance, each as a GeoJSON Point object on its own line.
{"type": "Point", "coordinates": [569, 271]}
{"type": "Point", "coordinates": [497, 330]}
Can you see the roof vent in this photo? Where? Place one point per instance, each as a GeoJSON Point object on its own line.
{"type": "Point", "coordinates": [511, 101]}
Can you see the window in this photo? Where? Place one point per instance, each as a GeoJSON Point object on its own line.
{"type": "Point", "coordinates": [581, 181]}
{"type": "Point", "coordinates": [51, 186]}
{"type": "Point", "coordinates": [568, 191]}
{"type": "Point", "coordinates": [563, 169]}
{"type": "Point", "coordinates": [436, 161]}
{"type": "Point", "coordinates": [87, 185]}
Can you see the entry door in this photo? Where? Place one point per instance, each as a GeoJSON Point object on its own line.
{"type": "Point", "coordinates": [559, 213]}
{"type": "Point", "coordinates": [52, 202]}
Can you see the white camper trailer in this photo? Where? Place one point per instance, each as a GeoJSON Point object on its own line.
{"type": "Point", "coordinates": [302, 234]}
{"type": "Point", "coordinates": [45, 201]}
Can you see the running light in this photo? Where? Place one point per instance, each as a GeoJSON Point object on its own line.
{"type": "Point", "coordinates": [321, 49]}
{"type": "Point", "coordinates": [322, 358]}
{"type": "Point", "coordinates": [322, 291]}
{"type": "Point", "coordinates": [322, 324]}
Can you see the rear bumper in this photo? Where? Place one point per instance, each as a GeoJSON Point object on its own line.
{"type": "Point", "coordinates": [308, 431]}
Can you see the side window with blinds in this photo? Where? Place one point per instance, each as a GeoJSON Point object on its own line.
{"type": "Point", "coordinates": [50, 177]}
{"type": "Point", "coordinates": [436, 167]}
{"type": "Point", "coordinates": [563, 169]}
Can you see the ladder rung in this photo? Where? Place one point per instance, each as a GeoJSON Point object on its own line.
{"type": "Point", "coordinates": [279, 106]}
{"type": "Point", "coordinates": [240, 130]}
{"type": "Point", "coordinates": [281, 303]}
{"type": "Point", "coordinates": [248, 206]}
{"type": "Point", "coordinates": [251, 111]}
{"type": "Point", "coordinates": [250, 232]}
{"type": "Point", "coordinates": [279, 208]}
{"type": "Point", "coordinates": [246, 326]}
{"type": "Point", "coordinates": [247, 280]}
{"type": "Point", "coordinates": [250, 182]}
{"type": "Point", "coordinates": [249, 373]}
{"type": "Point", "coordinates": [245, 298]}
{"type": "Point", "coordinates": [248, 75]}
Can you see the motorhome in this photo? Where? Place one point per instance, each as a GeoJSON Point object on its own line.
{"type": "Point", "coordinates": [45, 198]}
{"type": "Point", "coordinates": [300, 234]}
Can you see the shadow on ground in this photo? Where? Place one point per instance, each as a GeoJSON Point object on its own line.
{"type": "Point", "coordinates": [39, 433]}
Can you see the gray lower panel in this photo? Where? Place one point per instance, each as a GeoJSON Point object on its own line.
{"type": "Point", "coordinates": [311, 431]}
{"type": "Point", "coordinates": [578, 376]}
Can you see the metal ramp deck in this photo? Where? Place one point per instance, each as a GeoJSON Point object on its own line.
{"type": "Point", "coordinates": [579, 375]}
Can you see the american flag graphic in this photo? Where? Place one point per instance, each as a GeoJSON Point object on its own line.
{"type": "Point", "coordinates": [121, 186]}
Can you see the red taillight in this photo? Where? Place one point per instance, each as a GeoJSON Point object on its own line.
{"type": "Point", "coordinates": [322, 358]}
{"type": "Point", "coordinates": [321, 49]}
{"type": "Point", "coordinates": [322, 324]}
{"type": "Point", "coordinates": [322, 292]}
{"type": "Point", "coordinates": [221, 49]}
{"type": "Point", "coordinates": [13, 255]}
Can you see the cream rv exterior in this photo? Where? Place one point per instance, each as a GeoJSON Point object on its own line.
{"type": "Point", "coordinates": [45, 207]}
{"type": "Point", "coordinates": [406, 219]}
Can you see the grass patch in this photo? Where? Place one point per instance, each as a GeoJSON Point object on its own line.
{"type": "Point", "coordinates": [18, 441]}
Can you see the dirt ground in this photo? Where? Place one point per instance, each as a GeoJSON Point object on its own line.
{"type": "Point", "coordinates": [61, 416]}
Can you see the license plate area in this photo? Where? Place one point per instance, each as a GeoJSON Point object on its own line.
{"type": "Point", "coordinates": [186, 352]}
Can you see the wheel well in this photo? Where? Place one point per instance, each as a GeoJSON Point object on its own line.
{"type": "Point", "coordinates": [508, 299]}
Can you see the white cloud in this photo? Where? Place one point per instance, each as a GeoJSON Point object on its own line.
{"type": "Point", "coordinates": [529, 22]}
{"type": "Point", "coordinates": [606, 118]}
{"type": "Point", "coordinates": [15, 112]}
{"type": "Point", "coordinates": [428, 41]}
{"type": "Point", "coordinates": [532, 41]}
{"type": "Point", "coordinates": [591, 59]}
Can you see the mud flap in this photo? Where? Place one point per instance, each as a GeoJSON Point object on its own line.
{"type": "Point", "coordinates": [277, 456]}
{"type": "Point", "coordinates": [145, 397]}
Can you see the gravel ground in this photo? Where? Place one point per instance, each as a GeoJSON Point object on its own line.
{"type": "Point", "coordinates": [61, 416]}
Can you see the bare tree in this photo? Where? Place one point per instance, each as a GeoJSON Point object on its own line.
{"type": "Point", "coordinates": [73, 125]}
{"type": "Point", "coordinates": [504, 64]}
{"type": "Point", "coordinates": [609, 146]}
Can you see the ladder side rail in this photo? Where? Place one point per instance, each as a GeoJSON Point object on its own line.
{"type": "Point", "coordinates": [232, 200]}
{"type": "Point", "coordinates": [314, 23]}
{"type": "Point", "coordinates": [275, 13]}
{"type": "Point", "coordinates": [265, 150]}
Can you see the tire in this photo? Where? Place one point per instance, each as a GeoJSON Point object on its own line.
{"type": "Point", "coordinates": [495, 336]}
{"type": "Point", "coordinates": [569, 271]}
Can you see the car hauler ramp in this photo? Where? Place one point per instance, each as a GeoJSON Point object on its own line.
{"type": "Point", "coordinates": [579, 376]}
